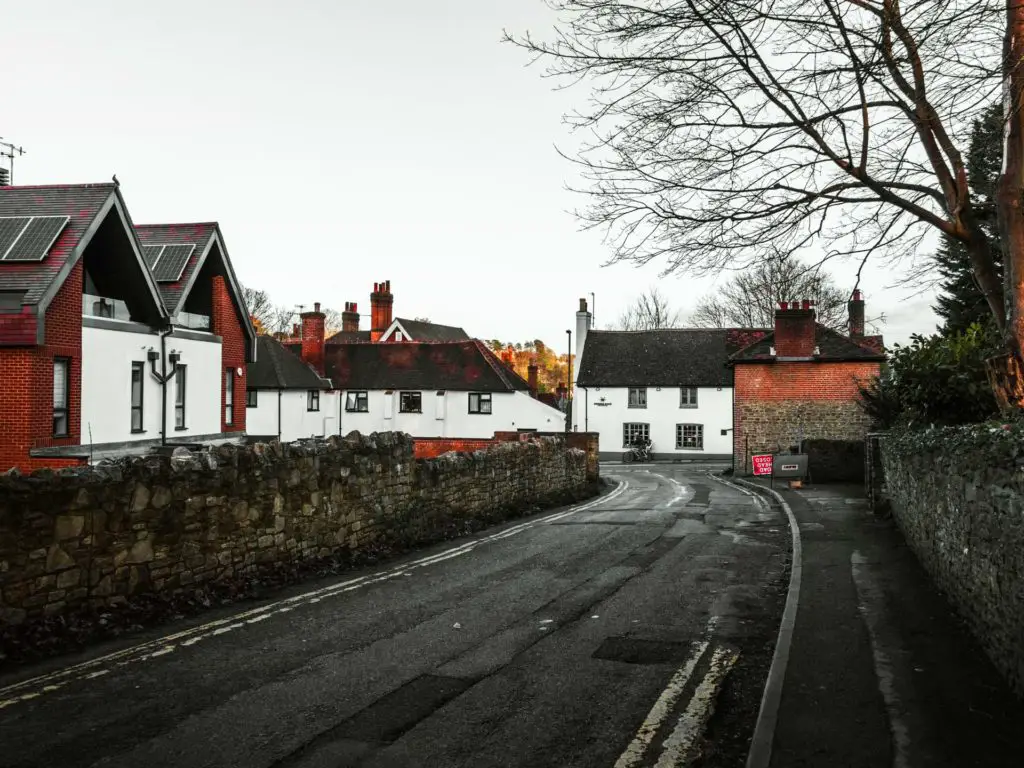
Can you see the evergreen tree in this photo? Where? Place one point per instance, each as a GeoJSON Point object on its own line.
{"type": "Point", "coordinates": [961, 302]}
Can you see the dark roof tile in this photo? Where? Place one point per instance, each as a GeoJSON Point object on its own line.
{"type": "Point", "coordinates": [278, 368]}
{"type": "Point", "coordinates": [457, 365]}
{"type": "Point", "coordinates": [421, 330]}
{"type": "Point", "coordinates": [670, 357]}
{"type": "Point", "coordinates": [831, 345]}
{"type": "Point", "coordinates": [176, 234]}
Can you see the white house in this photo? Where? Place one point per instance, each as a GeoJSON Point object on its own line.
{"type": "Point", "coordinates": [129, 337]}
{"type": "Point", "coordinates": [456, 389]}
{"type": "Point", "coordinates": [287, 400]}
{"type": "Point", "coordinates": [672, 386]}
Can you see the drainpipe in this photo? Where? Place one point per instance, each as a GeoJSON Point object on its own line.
{"type": "Point", "coordinates": [586, 409]}
{"type": "Point", "coordinates": [279, 415]}
{"type": "Point", "coordinates": [163, 377]}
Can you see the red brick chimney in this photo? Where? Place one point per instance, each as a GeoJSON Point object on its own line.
{"type": "Point", "coordinates": [313, 338]}
{"type": "Point", "coordinates": [350, 317]}
{"type": "Point", "coordinates": [531, 377]}
{"type": "Point", "coordinates": [381, 302]}
{"type": "Point", "coordinates": [795, 329]}
{"type": "Point", "coordinates": [856, 310]}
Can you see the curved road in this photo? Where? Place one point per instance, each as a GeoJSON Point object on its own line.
{"type": "Point", "coordinates": [592, 636]}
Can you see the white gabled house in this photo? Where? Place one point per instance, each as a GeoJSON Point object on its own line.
{"type": "Point", "coordinates": [287, 400]}
{"type": "Point", "coordinates": [672, 386]}
{"type": "Point", "coordinates": [113, 338]}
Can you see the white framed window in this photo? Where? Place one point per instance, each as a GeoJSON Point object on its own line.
{"type": "Point", "coordinates": [61, 375]}
{"type": "Point", "coordinates": [632, 431]}
{"type": "Point", "coordinates": [687, 397]}
{"type": "Point", "coordinates": [138, 378]}
{"type": "Point", "coordinates": [180, 378]}
{"type": "Point", "coordinates": [480, 402]}
{"type": "Point", "coordinates": [313, 400]}
{"type": "Point", "coordinates": [638, 397]}
{"type": "Point", "coordinates": [229, 397]}
{"type": "Point", "coordinates": [690, 437]}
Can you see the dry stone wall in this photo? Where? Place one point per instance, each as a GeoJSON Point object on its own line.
{"type": "Point", "coordinates": [96, 536]}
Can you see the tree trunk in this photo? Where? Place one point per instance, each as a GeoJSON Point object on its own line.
{"type": "Point", "coordinates": [1006, 372]}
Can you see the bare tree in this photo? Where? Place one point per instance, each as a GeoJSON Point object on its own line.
{"type": "Point", "coordinates": [261, 308]}
{"type": "Point", "coordinates": [726, 130]}
{"type": "Point", "coordinates": [749, 299]}
{"type": "Point", "coordinates": [649, 311]}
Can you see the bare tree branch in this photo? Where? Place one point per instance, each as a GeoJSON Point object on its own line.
{"type": "Point", "coordinates": [649, 311]}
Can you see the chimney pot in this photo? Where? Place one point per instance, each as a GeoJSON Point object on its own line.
{"type": "Point", "coordinates": [805, 304]}
{"type": "Point", "coordinates": [855, 308]}
{"type": "Point", "coordinates": [783, 305]}
{"type": "Point", "coordinates": [316, 306]}
{"type": "Point", "coordinates": [583, 305]}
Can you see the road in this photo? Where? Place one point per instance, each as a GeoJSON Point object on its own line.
{"type": "Point", "coordinates": [591, 636]}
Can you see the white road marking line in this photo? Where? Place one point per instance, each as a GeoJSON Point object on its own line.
{"type": "Point", "coordinates": [681, 747]}
{"type": "Point", "coordinates": [189, 637]}
{"type": "Point", "coordinates": [868, 592]}
{"type": "Point", "coordinates": [635, 751]}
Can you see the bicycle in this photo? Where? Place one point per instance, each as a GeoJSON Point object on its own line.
{"type": "Point", "coordinates": [638, 451]}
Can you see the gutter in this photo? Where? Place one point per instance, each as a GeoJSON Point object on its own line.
{"type": "Point", "coordinates": [279, 393]}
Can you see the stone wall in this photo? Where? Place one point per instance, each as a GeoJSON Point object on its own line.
{"type": "Point", "coordinates": [588, 442]}
{"type": "Point", "coordinates": [770, 427]}
{"type": "Point", "coordinates": [958, 496]}
{"type": "Point", "coordinates": [96, 536]}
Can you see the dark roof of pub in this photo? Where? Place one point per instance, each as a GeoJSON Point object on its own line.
{"type": "Point", "coordinates": [695, 357]}
{"type": "Point", "coordinates": [832, 347]}
{"type": "Point", "coordinates": [452, 365]}
{"type": "Point", "coordinates": [423, 330]}
{"type": "Point", "coordinates": [345, 336]}
{"type": "Point", "coordinates": [279, 368]}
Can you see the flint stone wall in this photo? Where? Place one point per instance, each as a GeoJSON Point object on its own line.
{"type": "Point", "coordinates": [98, 535]}
{"type": "Point", "coordinates": [958, 496]}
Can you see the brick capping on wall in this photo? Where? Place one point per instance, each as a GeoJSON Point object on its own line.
{"type": "Point", "coordinates": [96, 536]}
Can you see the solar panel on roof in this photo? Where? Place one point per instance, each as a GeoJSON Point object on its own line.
{"type": "Point", "coordinates": [151, 253]}
{"type": "Point", "coordinates": [37, 238]}
{"type": "Point", "coordinates": [10, 228]}
{"type": "Point", "coordinates": [172, 262]}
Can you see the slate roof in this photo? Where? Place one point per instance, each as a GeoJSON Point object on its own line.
{"type": "Point", "coordinates": [466, 366]}
{"type": "Point", "coordinates": [278, 368]}
{"type": "Point", "coordinates": [176, 234]}
{"type": "Point", "coordinates": [833, 347]}
{"type": "Point", "coordinates": [421, 330]}
{"type": "Point", "coordinates": [345, 336]}
{"type": "Point", "coordinates": [669, 357]}
{"type": "Point", "coordinates": [81, 202]}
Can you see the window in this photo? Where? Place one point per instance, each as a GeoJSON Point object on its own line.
{"type": "Point", "coordinates": [410, 402]}
{"type": "Point", "coordinates": [637, 397]}
{"type": "Point", "coordinates": [688, 397]}
{"type": "Point", "coordinates": [632, 432]}
{"type": "Point", "coordinates": [61, 371]}
{"type": "Point", "coordinates": [138, 377]}
{"type": "Point", "coordinates": [690, 436]}
{"type": "Point", "coordinates": [179, 396]}
{"type": "Point", "coordinates": [479, 402]}
{"type": "Point", "coordinates": [313, 400]}
{"type": "Point", "coordinates": [357, 402]}
{"type": "Point", "coordinates": [229, 397]}
{"type": "Point", "coordinates": [251, 398]}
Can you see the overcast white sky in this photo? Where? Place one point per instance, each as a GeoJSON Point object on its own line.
{"type": "Point", "coordinates": [340, 143]}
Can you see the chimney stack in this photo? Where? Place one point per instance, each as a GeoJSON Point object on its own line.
{"type": "Point", "coordinates": [381, 302]}
{"type": "Point", "coordinates": [313, 338]}
{"type": "Point", "coordinates": [795, 329]}
{"type": "Point", "coordinates": [856, 310]}
{"type": "Point", "coordinates": [350, 317]}
{"type": "Point", "coordinates": [531, 377]}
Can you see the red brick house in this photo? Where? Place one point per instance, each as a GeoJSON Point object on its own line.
{"type": "Point", "coordinates": [799, 381]}
{"type": "Point", "coordinates": [103, 343]}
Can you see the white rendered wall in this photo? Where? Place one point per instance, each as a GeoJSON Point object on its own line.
{"type": "Point", "coordinates": [510, 411]}
{"type": "Point", "coordinates": [297, 422]}
{"type": "Point", "coordinates": [107, 357]}
{"type": "Point", "coordinates": [663, 413]}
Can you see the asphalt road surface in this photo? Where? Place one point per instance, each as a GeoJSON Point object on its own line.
{"type": "Point", "coordinates": [635, 630]}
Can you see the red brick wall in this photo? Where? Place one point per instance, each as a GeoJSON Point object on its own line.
{"type": "Point", "coordinates": [313, 339]}
{"type": "Point", "coordinates": [774, 402]}
{"type": "Point", "coordinates": [227, 325]}
{"type": "Point", "coordinates": [26, 408]}
{"type": "Point", "coordinates": [429, 448]}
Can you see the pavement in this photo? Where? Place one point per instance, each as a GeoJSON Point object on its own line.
{"type": "Point", "coordinates": [881, 672]}
{"type": "Point", "coordinates": [634, 630]}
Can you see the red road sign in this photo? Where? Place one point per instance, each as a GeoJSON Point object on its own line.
{"type": "Point", "coordinates": [762, 464]}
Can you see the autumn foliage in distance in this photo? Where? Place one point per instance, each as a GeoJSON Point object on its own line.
{"type": "Point", "coordinates": [552, 368]}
